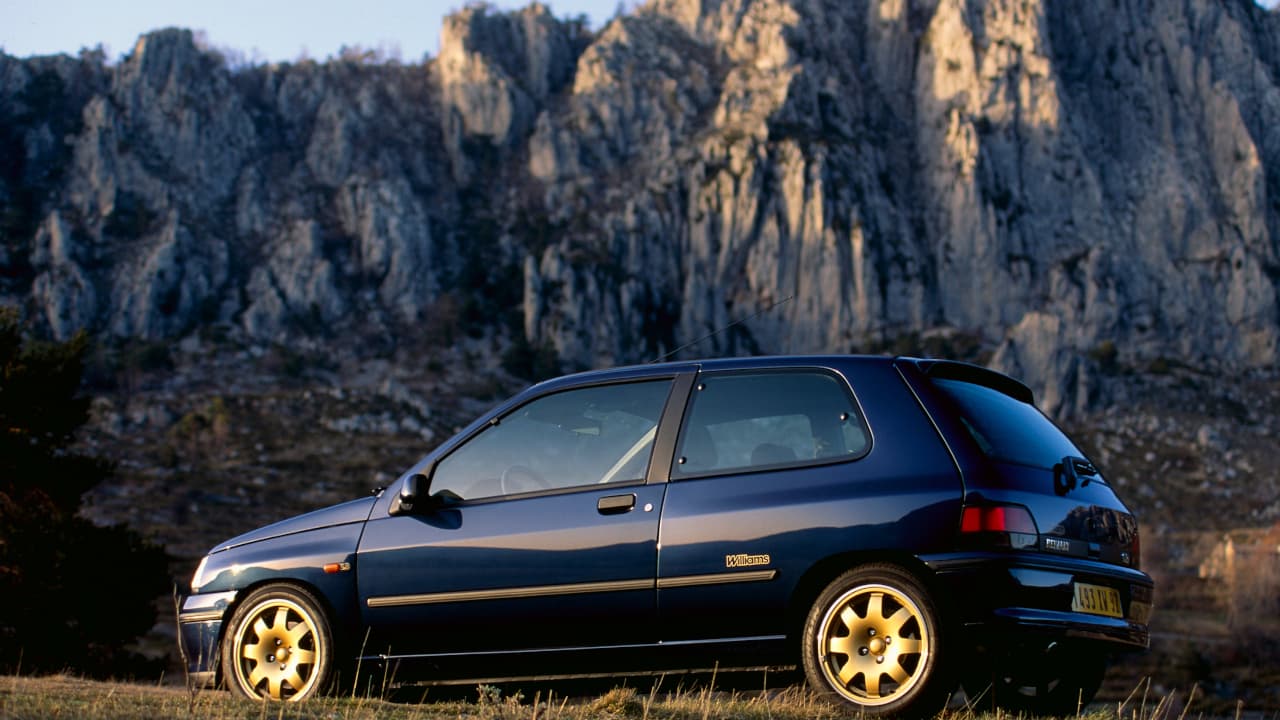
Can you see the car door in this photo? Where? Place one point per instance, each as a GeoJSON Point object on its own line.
{"type": "Point", "coordinates": [542, 533]}
{"type": "Point", "coordinates": [775, 470]}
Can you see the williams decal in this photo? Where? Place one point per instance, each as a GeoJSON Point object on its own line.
{"type": "Point", "coordinates": [744, 560]}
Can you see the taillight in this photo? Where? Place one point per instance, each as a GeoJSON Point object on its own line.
{"type": "Point", "coordinates": [999, 526]}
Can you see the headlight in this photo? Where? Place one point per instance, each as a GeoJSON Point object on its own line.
{"type": "Point", "coordinates": [198, 579]}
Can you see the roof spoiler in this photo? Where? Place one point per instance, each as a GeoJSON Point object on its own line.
{"type": "Point", "coordinates": [967, 372]}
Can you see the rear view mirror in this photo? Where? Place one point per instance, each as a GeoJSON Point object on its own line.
{"type": "Point", "coordinates": [411, 491]}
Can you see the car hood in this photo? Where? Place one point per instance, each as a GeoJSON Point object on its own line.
{"type": "Point", "coordinates": [348, 512]}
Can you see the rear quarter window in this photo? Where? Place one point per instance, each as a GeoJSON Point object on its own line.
{"type": "Point", "coordinates": [760, 420]}
{"type": "Point", "coordinates": [1006, 428]}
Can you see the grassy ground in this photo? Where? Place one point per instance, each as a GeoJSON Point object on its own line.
{"type": "Point", "coordinates": [61, 696]}
{"type": "Point", "coordinates": [66, 697]}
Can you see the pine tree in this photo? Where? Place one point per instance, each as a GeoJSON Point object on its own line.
{"type": "Point", "coordinates": [73, 595]}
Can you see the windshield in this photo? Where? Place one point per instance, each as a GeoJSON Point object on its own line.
{"type": "Point", "coordinates": [1006, 428]}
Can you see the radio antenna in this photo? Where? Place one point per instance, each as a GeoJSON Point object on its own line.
{"type": "Point", "coordinates": [713, 333]}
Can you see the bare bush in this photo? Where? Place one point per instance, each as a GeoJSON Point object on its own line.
{"type": "Point", "coordinates": [1253, 603]}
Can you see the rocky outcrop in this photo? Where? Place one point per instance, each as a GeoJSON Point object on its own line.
{"type": "Point", "coordinates": [279, 201]}
{"type": "Point", "coordinates": [998, 169]}
{"type": "Point", "coordinates": [495, 71]}
{"type": "Point", "coordinates": [1050, 179]}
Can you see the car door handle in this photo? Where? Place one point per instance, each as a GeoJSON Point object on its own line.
{"type": "Point", "coordinates": [615, 504]}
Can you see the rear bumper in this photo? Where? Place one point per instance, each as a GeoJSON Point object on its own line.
{"type": "Point", "coordinates": [1014, 598]}
{"type": "Point", "coordinates": [200, 632]}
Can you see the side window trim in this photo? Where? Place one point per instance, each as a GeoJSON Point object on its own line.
{"type": "Point", "coordinates": [840, 379]}
{"type": "Point", "coordinates": [669, 428]}
{"type": "Point", "coordinates": [569, 490]}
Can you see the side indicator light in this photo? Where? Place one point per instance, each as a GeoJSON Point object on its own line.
{"type": "Point", "coordinates": [333, 568]}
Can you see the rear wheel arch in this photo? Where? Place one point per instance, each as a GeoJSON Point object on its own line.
{"type": "Point", "coordinates": [876, 638]}
{"type": "Point", "coordinates": [822, 573]}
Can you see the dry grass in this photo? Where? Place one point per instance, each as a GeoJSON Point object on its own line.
{"type": "Point", "coordinates": [67, 697]}
{"type": "Point", "coordinates": [61, 696]}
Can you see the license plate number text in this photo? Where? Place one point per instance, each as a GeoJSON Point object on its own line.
{"type": "Point", "coordinates": [1096, 600]}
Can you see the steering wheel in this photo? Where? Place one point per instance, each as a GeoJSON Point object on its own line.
{"type": "Point", "coordinates": [522, 478]}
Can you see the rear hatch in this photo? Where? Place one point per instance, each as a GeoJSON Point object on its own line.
{"type": "Point", "coordinates": [1026, 461]}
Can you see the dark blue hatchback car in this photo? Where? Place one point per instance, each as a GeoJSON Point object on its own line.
{"type": "Point", "coordinates": [894, 526]}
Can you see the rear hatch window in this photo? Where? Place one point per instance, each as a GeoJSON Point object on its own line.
{"type": "Point", "coordinates": [1008, 429]}
{"type": "Point", "coordinates": [1030, 456]}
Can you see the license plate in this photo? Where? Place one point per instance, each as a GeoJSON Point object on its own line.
{"type": "Point", "coordinates": [1097, 600]}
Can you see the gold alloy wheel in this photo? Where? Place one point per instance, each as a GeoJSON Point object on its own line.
{"type": "Point", "coordinates": [874, 644]}
{"type": "Point", "coordinates": [277, 648]}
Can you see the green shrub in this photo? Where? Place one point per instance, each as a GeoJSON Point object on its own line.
{"type": "Point", "coordinates": [72, 595]}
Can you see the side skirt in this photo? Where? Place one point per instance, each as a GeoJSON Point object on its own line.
{"type": "Point", "coordinates": [766, 652]}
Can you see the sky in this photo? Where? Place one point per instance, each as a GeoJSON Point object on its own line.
{"type": "Point", "coordinates": [259, 30]}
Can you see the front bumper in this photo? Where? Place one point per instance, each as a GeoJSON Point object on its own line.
{"type": "Point", "coordinates": [199, 633]}
{"type": "Point", "coordinates": [1006, 598]}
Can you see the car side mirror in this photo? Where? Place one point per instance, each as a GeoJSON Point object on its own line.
{"type": "Point", "coordinates": [412, 490]}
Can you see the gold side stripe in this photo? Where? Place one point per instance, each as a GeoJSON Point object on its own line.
{"type": "Point", "coordinates": [716, 579]}
{"type": "Point", "coordinates": [510, 593]}
{"type": "Point", "coordinates": [569, 589]}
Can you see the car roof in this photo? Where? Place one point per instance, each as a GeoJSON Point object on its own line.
{"type": "Point", "coordinates": [638, 372]}
{"type": "Point", "coordinates": [929, 366]}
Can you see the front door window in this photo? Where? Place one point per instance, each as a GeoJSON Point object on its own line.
{"type": "Point", "coordinates": [577, 438]}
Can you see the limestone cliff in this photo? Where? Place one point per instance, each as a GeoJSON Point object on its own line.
{"type": "Point", "coordinates": [1063, 182]}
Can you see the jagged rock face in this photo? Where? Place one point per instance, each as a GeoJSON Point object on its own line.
{"type": "Point", "coordinates": [495, 71]}
{"type": "Point", "coordinates": [1049, 177]}
{"type": "Point", "coordinates": [282, 200]}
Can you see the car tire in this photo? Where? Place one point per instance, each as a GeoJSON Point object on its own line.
{"type": "Point", "coordinates": [874, 639]}
{"type": "Point", "coordinates": [278, 646]}
{"type": "Point", "coordinates": [1059, 682]}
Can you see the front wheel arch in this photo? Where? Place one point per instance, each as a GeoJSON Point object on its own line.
{"type": "Point", "coordinates": [287, 615]}
{"type": "Point", "coordinates": [342, 632]}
